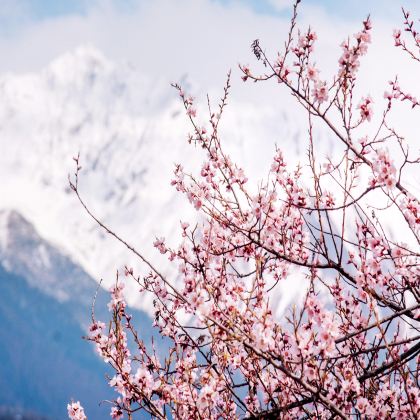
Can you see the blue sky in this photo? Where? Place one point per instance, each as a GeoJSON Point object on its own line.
{"type": "Point", "coordinates": [44, 9]}
{"type": "Point", "coordinates": [49, 8]}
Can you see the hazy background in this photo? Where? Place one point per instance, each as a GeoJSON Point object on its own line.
{"type": "Point", "coordinates": [94, 77]}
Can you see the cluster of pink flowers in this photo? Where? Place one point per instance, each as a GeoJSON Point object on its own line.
{"type": "Point", "coordinates": [410, 207]}
{"type": "Point", "coordinates": [282, 70]}
{"type": "Point", "coordinates": [349, 61]}
{"type": "Point", "coordinates": [320, 91]}
{"type": "Point", "coordinates": [160, 245]}
{"type": "Point", "coordinates": [397, 93]}
{"type": "Point", "coordinates": [303, 52]}
{"type": "Point", "coordinates": [117, 297]}
{"type": "Point", "coordinates": [397, 37]}
{"type": "Point", "coordinates": [305, 44]}
{"type": "Point", "coordinates": [76, 411]}
{"type": "Point", "coordinates": [189, 103]}
{"type": "Point", "coordinates": [349, 346]}
{"type": "Point", "coordinates": [383, 169]}
{"type": "Point", "coordinates": [365, 107]}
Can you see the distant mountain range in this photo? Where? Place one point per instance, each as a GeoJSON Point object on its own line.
{"type": "Point", "coordinates": [45, 305]}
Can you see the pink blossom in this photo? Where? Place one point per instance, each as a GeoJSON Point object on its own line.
{"type": "Point", "coordinates": [159, 243]}
{"type": "Point", "coordinates": [349, 61]}
{"type": "Point", "coordinates": [75, 411]}
{"type": "Point", "coordinates": [384, 170]}
{"type": "Point", "coordinates": [313, 73]}
{"type": "Point", "coordinates": [320, 92]}
{"type": "Point", "coordinates": [365, 107]}
{"type": "Point", "coordinates": [397, 37]}
{"type": "Point", "coordinates": [117, 296]}
{"type": "Point", "coordinates": [191, 111]}
{"type": "Point", "coordinates": [116, 413]}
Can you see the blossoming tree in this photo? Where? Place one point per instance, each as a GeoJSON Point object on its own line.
{"type": "Point", "coordinates": [351, 347]}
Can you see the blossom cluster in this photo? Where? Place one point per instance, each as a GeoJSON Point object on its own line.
{"type": "Point", "coordinates": [384, 170]}
{"type": "Point", "coordinates": [349, 345]}
{"type": "Point", "coordinates": [76, 411]}
{"type": "Point", "coordinates": [350, 59]}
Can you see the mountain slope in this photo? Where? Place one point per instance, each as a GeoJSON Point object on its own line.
{"type": "Point", "coordinates": [45, 306]}
{"type": "Point", "coordinates": [45, 362]}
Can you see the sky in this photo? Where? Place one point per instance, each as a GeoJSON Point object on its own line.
{"type": "Point", "coordinates": [198, 41]}
{"type": "Point", "coordinates": [46, 9]}
{"type": "Point", "coordinates": [169, 38]}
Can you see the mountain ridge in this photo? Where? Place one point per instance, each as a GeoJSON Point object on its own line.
{"type": "Point", "coordinates": [45, 308]}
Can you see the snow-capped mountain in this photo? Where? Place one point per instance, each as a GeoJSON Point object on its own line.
{"type": "Point", "coordinates": [25, 253]}
{"type": "Point", "coordinates": [45, 306]}
{"type": "Point", "coordinates": [129, 130]}
{"type": "Point", "coordinates": [83, 103]}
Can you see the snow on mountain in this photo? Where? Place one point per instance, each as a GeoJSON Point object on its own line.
{"type": "Point", "coordinates": [26, 254]}
{"type": "Point", "coordinates": [129, 130]}
{"type": "Point", "coordinates": [84, 103]}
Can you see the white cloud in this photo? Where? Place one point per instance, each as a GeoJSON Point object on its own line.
{"type": "Point", "coordinates": [168, 39]}
{"type": "Point", "coordinates": [280, 5]}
